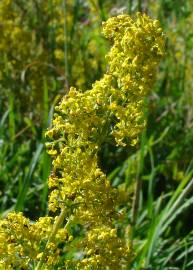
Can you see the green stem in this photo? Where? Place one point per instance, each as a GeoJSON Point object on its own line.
{"type": "Point", "coordinates": [130, 5]}
{"type": "Point", "coordinates": [139, 5]}
{"type": "Point", "coordinates": [56, 226]}
{"type": "Point", "coordinates": [136, 197]}
{"type": "Point", "coordinates": [66, 47]}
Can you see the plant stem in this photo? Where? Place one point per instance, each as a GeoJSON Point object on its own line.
{"type": "Point", "coordinates": [139, 5]}
{"type": "Point", "coordinates": [56, 226]}
{"type": "Point", "coordinates": [130, 4]}
{"type": "Point", "coordinates": [136, 196]}
{"type": "Point", "coordinates": [136, 200]}
{"type": "Point", "coordinates": [66, 47]}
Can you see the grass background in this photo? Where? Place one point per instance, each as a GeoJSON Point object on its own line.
{"type": "Point", "coordinates": [47, 46]}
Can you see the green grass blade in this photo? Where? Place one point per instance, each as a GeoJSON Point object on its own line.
{"type": "Point", "coordinates": [27, 180]}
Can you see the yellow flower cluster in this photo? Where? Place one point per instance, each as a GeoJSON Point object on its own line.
{"type": "Point", "coordinates": [133, 59]}
{"type": "Point", "coordinates": [112, 112]}
{"type": "Point", "coordinates": [22, 243]}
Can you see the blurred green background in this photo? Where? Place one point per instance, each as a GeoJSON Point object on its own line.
{"type": "Point", "coordinates": [47, 46]}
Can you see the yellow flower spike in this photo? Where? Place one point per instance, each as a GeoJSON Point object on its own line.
{"type": "Point", "coordinates": [112, 110]}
